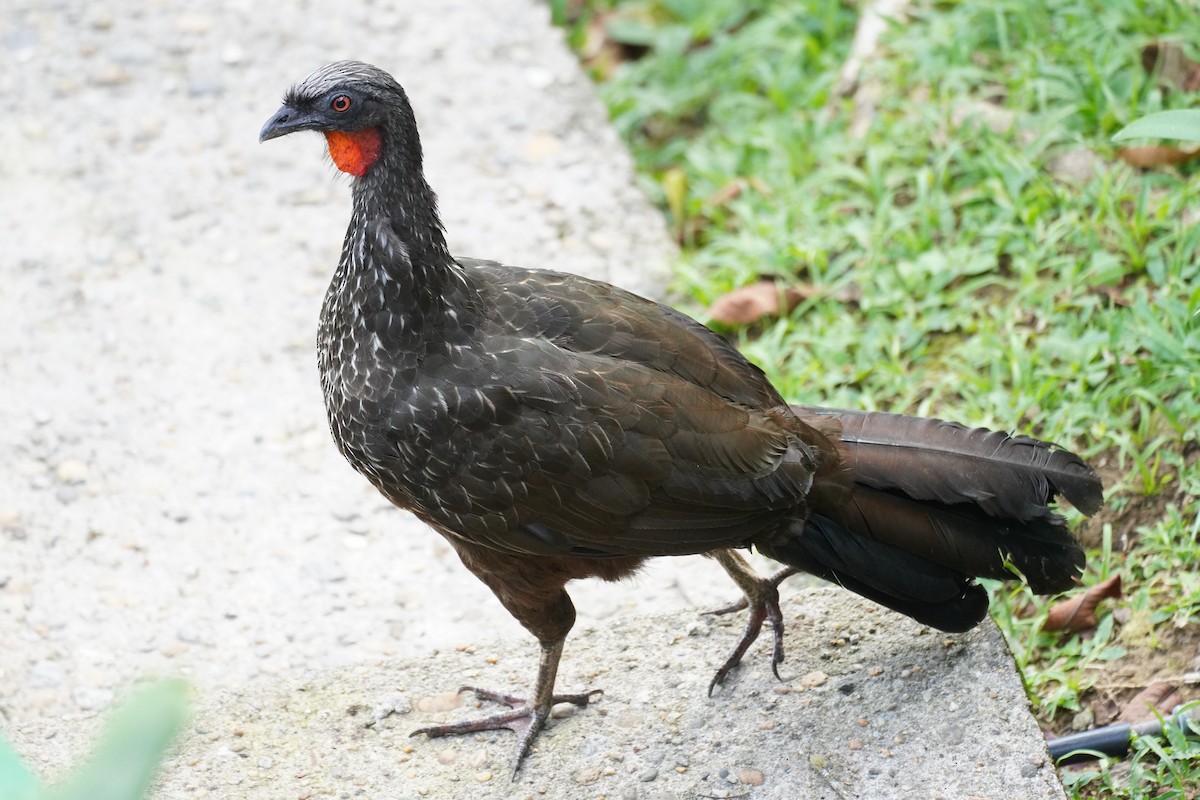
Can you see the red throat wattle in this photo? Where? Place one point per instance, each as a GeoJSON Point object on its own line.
{"type": "Point", "coordinates": [354, 151]}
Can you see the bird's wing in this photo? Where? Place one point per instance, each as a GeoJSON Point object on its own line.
{"type": "Point", "coordinates": [559, 452]}
{"type": "Point", "coordinates": [587, 316]}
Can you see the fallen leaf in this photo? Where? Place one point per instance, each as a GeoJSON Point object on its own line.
{"type": "Point", "coordinates": [604, 48]}
{"type": "Point", "coordinates": [1160, 695]}
{"type": "Point", "coordinates": [763, 299]}
{"type": "Point", "coordinates": [1114, 295]}
{"type": "Point", "coordinates": [1171, 66]}
{"type": "Point", "coordinates": [1079, 612]}
{"type": "Point", "coordinates": [1105, 711]}
{"type": "Point", "coordinates": [1157, 155]}
{"type": "Point", "coordinates": [728, 192]}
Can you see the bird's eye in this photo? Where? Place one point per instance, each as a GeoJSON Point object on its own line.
{"type": "Point", "coordinates": [341, 103]}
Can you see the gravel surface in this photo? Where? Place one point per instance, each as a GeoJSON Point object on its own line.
{"type": "Point", "coordinates": [872, 706]}
{"type": "Point", "coordinates": [170, 500]}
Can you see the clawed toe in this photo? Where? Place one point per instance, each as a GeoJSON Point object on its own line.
{"type": "Point", "coordinates": [761, 597]}
{"type": "Point", "coordinates": [525, 719]}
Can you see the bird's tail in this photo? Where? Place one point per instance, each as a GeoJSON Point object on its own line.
{"type": "Point", "coordinates": [931, 505]}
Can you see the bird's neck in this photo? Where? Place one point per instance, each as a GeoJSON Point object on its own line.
{"type": "Point", "coordinates": [398, 298]}
{"type": "Point", "coordinates": [395, 258]}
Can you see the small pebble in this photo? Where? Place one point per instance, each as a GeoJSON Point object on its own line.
{"type": "Point", "coordinates": [173, 649]}
{"type": "Point", "coordinates": [72, 471]}
{"type": "Point", "coordinates": [539, 78]}
{"type": "Point", "coordinates": [194, 23]}
{"type": "Point", "coordinates": [561, 710]}
{"type": "Point", "coordinates": [813, 679]}
{"type": "Point", "coordinates": [90, 698]}
{"type": "Point", "coordinates": [45, 675]}
{"type": "Point", "coordinates": [445, 701]}
{"type": "Point", "coordinates": [648, 774]}
{"type": "Point", "coordinates": [232, 54]}
{"type": "Point", "coordinates": [109, 75]}
{"type": "Point", "coordinates": [750, 777]}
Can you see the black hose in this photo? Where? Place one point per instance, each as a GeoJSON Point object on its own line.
{"type": "Point", "coordinates": [1113, 740]}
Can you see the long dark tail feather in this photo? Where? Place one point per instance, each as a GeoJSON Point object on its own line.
{"type": "Point", "coordinates": [931, 506]}
{"type": "Point", "coordinates": [1012, 477]}
{"type": "Point", "coordinates": [963, 538]}
{"type": "Point", "coordinates": [915, 587]}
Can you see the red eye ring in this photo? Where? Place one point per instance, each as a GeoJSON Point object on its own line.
{"type": "Point", "coordinates": [340, 104]}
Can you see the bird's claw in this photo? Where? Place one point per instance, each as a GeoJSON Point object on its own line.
{"type": "Point", "coordinates": [763, 606]}
{"type": "Point", "coordinates": [766, 609]}
{"type": "Point", "coordinates": [526, 719]}
{"type": "Point", "coordinates": [512, 701]}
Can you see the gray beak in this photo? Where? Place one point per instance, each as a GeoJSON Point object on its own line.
{"type": "Point", "coordinates": [287, 120]}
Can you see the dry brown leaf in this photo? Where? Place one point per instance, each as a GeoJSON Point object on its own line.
{"type": "Point", "coordinates": [1104, 711]}
{"type": "Point", "coordinates": [1079, 612]}
{"type": "Point", "coordinates": [763, 299]}
{"type": "Point", "coordinates": [600, 52]}
{"type": "Point", "coordinates": [1171, 66]}
{"type": "Point", "coordinates": [728, 192]}
{"type": "Point", "coordinates": [1157, 155]}
{"type": "Point", "coordinates": [1114, 295]}
{"type": "Point", "coordinates": [1159, 695]}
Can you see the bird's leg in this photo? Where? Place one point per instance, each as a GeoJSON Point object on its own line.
{"type": "Point", "coordinates": [528, 716]}
{"type": "Point", "coordinates": [761, 597]}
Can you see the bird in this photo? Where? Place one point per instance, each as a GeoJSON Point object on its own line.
{"type": "Point", "coordinates": [553, 427]}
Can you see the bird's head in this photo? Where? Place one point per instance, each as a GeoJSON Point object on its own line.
{"type": "Point", "coordinates": [354, 105]}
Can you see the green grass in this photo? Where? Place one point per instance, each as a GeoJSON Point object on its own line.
{"type": "Point", "coordinates": [984, 283]}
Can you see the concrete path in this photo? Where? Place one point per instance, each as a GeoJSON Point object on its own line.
{"type": "Point", "coordinates": [170, 501]}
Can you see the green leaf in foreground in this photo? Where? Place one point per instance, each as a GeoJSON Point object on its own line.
{"type": "Point", "coordinates": [1181, 124]}
{"type": "Point", "coordinates": [126, 759]}
{"type": "Point", "coordinates": [18, 783]}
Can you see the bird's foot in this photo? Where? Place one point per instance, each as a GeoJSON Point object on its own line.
{"type": "Point", "coordinates": [526, 719]}
{"type": "Point", "coordinates": [762, 599]}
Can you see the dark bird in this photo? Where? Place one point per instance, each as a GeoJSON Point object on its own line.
{"type": "Point", "coordinates": [553, 427]}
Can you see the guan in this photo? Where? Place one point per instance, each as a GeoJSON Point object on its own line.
{"type": "Point", "coordinates": [553, 427]}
